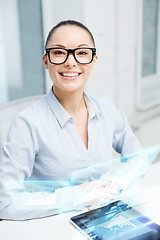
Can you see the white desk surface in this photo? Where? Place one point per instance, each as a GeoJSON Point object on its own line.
{"type": "Point", "coordinates": [58, 227]}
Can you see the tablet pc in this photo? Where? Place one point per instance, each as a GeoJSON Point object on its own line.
{"type": "Point", "coordinates": [116, 221]}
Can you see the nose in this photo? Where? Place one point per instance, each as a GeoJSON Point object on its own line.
{"type": "Point", "coordinates": [71, 62]}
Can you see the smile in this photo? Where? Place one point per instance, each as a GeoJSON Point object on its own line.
{"type": "Point", "coordinates": [69, 74]}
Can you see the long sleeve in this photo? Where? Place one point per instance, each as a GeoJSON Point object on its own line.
{"type": "Point", "coordinates": [16, 166]}
{"type": "Point", "coordinates": [43, 145]}
{"type": "Point", "coordinates": [124, 140]}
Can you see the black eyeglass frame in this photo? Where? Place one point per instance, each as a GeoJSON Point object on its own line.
{"type": "Point", "coordinates": [71, 51]}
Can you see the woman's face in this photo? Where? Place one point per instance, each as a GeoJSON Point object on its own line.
{"type": "Point", "coordinates": [71, 75]}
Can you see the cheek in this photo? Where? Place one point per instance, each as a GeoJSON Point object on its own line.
{"type": "Point", "coordinates": [88, 70]}
{"type": "Point", "coordinates": [53, 71]}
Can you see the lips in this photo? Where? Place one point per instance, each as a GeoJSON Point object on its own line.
{"type": "Point", "coordinates": [70, 74]}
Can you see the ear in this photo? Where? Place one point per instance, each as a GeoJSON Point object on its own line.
{"type": "Point", "coordinates": [45, 61]}
{"type": "Point", "coordinates": [94, 61]}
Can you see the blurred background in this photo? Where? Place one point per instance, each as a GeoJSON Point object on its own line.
{"type": "Point", "coordinates": [127, 35]}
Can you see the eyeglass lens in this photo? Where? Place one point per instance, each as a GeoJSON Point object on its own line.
{"type": "Point", "coordinates": [82, 55]}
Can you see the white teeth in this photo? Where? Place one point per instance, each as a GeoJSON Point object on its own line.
{"type": "Point", "coordinates": [70, 74]}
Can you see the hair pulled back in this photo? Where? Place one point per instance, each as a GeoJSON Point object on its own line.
{"type": "Point", "coordinates": [65, 23]}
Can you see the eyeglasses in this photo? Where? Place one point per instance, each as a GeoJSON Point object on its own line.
{"type": "Point", "coordinates": [81, 55]}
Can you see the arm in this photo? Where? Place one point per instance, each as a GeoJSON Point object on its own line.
{"type": "Point", "coordinates": [124, 140]}
{"type": "Point", "coordinates": [16, 165]}
{"type": "Point", "coordinates": [130, 167]}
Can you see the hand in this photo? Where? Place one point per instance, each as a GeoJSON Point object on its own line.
{"type": "Point", "coordinates": [98, 192]}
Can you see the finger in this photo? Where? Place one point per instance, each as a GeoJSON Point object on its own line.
{"type": "Point", "coordinates": [115, 186]}
{"type": "Point", "coordinates": [106, 183]}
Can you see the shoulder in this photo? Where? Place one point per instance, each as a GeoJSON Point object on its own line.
{"type": "Point", "coordinates": [108, 111]}
{"type": "Point", "coordinates": [104, 105]}
{"type": "Point", "coordinates": [34, 111]}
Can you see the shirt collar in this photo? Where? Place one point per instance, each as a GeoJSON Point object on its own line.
{"type": "Point", "coordinates": [93, 110]}
{"type": "Point", "coordinates": [62, 115]}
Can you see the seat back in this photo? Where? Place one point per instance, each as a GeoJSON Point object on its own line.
{"type": "Point", "coordinates": [9, 110]}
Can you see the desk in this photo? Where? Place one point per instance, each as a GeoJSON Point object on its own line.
{"type": "Point", "coordinates": [146, 201]}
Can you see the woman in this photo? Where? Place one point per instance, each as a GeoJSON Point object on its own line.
{"type": "Point", "coordinates": [64, 133]}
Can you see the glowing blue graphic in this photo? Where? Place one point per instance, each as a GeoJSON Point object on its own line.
{"type": "Point", "coordinates": [123, 173]}
{"type": "Point", "coordinates": [116, 221]}
{"type": "Point", "coordinates": [132, 166]}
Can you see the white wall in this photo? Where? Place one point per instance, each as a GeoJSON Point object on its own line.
{"type": "Point", "coordinates": [115, 25]}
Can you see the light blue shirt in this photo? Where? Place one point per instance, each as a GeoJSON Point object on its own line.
{"type": "Point", "coordinates": [43, 144]}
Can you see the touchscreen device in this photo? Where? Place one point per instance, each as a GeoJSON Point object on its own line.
{"type": "Point", "coordinates": [116, 221]}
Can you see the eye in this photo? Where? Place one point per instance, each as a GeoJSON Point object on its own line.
{"type": "Point", "coordinates": [58, 52]}
{"type": "Point", "coordinates": [82, 53]}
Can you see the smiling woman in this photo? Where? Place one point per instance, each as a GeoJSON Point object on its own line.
{"type": "Point", "coordinates": [65, 132]}
{"type": "Point", "coordinates": [69, 58]}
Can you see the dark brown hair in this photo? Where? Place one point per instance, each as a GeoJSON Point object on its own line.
{"type": "Point", "coordinates": [68, 22]}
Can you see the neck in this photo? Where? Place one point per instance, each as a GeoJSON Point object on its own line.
{"type": "Point", "coordinates": [73, 102]}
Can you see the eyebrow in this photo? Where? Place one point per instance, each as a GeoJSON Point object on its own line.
{"type": "Point", "coordinates": [81, 45]}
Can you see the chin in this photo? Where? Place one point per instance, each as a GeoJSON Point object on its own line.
{"type": "Point", "coordinates": [73, 88]}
